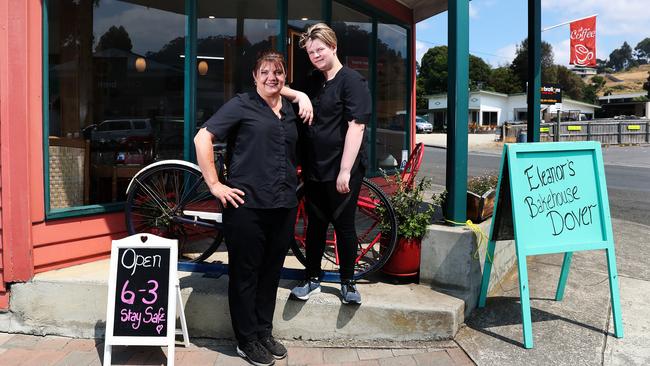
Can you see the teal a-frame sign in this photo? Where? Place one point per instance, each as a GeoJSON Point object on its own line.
{"type": "Point", "coordinates": [552, 198]}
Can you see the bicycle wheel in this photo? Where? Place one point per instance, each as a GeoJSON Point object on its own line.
{"type": "Point", "coordinates": [374, 246]}
{"type": "Point", "coordinates": [167, 201]}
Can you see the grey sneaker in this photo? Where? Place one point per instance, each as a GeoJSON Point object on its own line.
{"type": "Point", "coordinates": [306, 289]}
{"type": "Point", "coordinates": [349, 293]}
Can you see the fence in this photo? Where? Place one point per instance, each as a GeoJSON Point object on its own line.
{"type": "Point", "coordinates": [606, 131]}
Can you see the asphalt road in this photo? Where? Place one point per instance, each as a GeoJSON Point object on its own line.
{"type": "Point", "coordinates": [627, 171]}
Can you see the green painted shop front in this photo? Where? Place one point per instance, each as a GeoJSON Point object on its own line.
{"type": "Point", "coordinates": [129, 82]}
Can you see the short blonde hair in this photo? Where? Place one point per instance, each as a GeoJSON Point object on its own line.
{"type": "Point", "coordinates": [319, 31]}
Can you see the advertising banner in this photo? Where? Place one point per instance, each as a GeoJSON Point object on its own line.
{"type": "Point", "coordinates": [583, 42]}
{"type": "Point", "coordinates": [551, 94]}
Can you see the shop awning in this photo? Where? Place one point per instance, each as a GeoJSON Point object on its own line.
{"type": "Point", "coordinates": [423, 9]}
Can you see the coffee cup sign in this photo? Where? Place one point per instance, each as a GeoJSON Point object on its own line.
{"type": "Point", "coordinates": [142, 296]}
{"type": "Point", "coordinates": [583, 42]}
{"type": "Point", "coordinates": [552, 198]}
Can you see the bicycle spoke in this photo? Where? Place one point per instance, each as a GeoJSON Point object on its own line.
{"type": "Point", "coordinates": [161, 195]}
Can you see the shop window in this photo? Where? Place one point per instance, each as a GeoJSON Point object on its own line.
{"type": "Point", "coordinates": [353, 31]}
{"type": "Point", "coordinates": [301, 14]}
{"type": "Point", "coordinates": [115, 74]}
{"type": "Point", "coordinates": [391, 94]}
{"type": "Point", "coordinates": [231, 34]}
{"type": "Point", "coordinates": [490, 119]}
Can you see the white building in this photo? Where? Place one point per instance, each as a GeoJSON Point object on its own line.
{"type": "Point", "coordinates": [488, 108]}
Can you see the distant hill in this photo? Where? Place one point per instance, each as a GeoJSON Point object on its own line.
{"type": "Point", "coordinates": [627, 81]}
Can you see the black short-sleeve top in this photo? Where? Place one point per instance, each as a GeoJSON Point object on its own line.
{"type": "Point", "coordinates": [336, 102]}
{"type": "Point", "coordinates": [261, 149]}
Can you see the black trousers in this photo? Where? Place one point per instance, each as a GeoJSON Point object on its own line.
{"type": "Point", "coordinates": [326, 205]}
{"type": "Point", "coordinates": [257, 240]}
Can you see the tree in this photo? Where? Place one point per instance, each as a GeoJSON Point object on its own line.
{"type": "Point", "coordinates": [642, 51]}
{"type": "Point", "coordinates": [421, 101]}
{"type": "Point", "coordinates": [479, 73]}
{"type": "Point", "coordinates": [591, 90]}
{"type": "Point", "coordinates": [572, 85]}
{"type": "Point", "coordinates": [433, 71]}
{"type": "Point", "coordinates": [646, 85]}
{"type": "Point", "coordinates": [519, 65]}
{"type": "Point", "coordinates": [621, 58]}
{"type": "Point", "coordinates": [115, 37]}
{"type": "Point", "coordinates": [504, 80]}
{"type": "Point", "coordinates": [602, 68]}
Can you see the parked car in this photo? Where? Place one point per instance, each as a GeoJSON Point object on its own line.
{"type": "Point", "coordinates": [422, 125]}
{"type": "Point", "coordinates": [122, 131]}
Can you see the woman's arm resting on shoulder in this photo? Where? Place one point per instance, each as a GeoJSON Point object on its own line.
{"type": "Point", "coordinates": [305, 109]}
{"type": "Point", "coordinates": [205, 158]}
{"type": "Point", "coordinates": [353, 140]}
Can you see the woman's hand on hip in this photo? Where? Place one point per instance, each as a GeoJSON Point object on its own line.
{"type": "Point", "coordinates": [343, 182]}
{"type": "Point", "coordinates": [227, 195]}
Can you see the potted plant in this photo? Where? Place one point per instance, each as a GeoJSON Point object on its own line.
{"type": "Point", "coordinates": [480, 197]}
{"type": "Point", "coordinates": [413, 216]}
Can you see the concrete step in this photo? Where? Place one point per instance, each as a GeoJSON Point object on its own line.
{"type": "Point", "coordinates": [72, 302]}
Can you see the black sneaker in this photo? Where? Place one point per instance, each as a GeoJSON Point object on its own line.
{"type": "Point", "coordinates": [255, 353]}
{"type": "Point", "coordinates": [274, 347]}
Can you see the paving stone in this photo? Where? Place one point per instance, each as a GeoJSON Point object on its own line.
{"type": "Point", "coordinates": [305, 356]}
{"type": "Point", "coordinates": [398, 361]}
{"type": "Point", "coordinates": [15, 356]}
{"type": "Point", "coordinates": [373, 353]}
{"type": "Point", "coordinates": [408, 351]}
{"type": "Point", "coordinates": [196, 358]}
{"type": "Point", "coordinates": [77, 358]}
{"type": "Point", "coordinates": [120, 355]}
{"type": "Point", "coordinates": [229, 359]}
{"type": "Point", "coordinates": [4, 337]}
{"type": "Point", "coordinates": [459, 356]}
{"type": "Point", "coordinates": [339, 355]}
{"type": "Point", "coordinates": [361, 363]}
{"type": "Point", "coordinates": [52, 343]}
{"type": "Point", "coordinates": [434, 358]}
{"type": "Point", "coordinates": [22, 341]}
{"type": "Point", "coordinates": [83, 345]}
{"type": "Point", "coordinates": [44, 358]}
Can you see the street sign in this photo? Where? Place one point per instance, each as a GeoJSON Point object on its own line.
{"type": "Point", "coordinates": [552, 198]}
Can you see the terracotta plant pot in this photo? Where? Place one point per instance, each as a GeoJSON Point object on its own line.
{"type": "Point", "coordinates": [479, 208]}
{"type": "Point", "coordinates": [405, 260]}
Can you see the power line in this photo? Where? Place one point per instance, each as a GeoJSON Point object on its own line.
{"type": "Point", "coordinates": [471, 51]}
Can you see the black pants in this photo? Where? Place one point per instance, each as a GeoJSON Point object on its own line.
{"type": "Point", "coordinates": [326, 205]}
{"type": "Point", "coordinates": [257, 240]}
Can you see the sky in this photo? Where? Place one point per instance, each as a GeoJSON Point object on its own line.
{"type": "Point", "coordinates": [498, 26]}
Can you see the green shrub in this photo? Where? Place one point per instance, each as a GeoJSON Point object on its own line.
{"type": "Point", "coordinates": [412, 215]}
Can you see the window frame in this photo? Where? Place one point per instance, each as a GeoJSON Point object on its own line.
{"type": "Point", "coordinates": [190, 80]}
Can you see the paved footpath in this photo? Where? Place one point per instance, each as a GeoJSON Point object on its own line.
{"type": "Point", "coordinates": [29, 350]}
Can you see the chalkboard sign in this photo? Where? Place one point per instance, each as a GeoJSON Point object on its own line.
{"type": "Point", "coordinates": [142, 295]}
{"type": "Point", "coordinates": [552, 198]}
